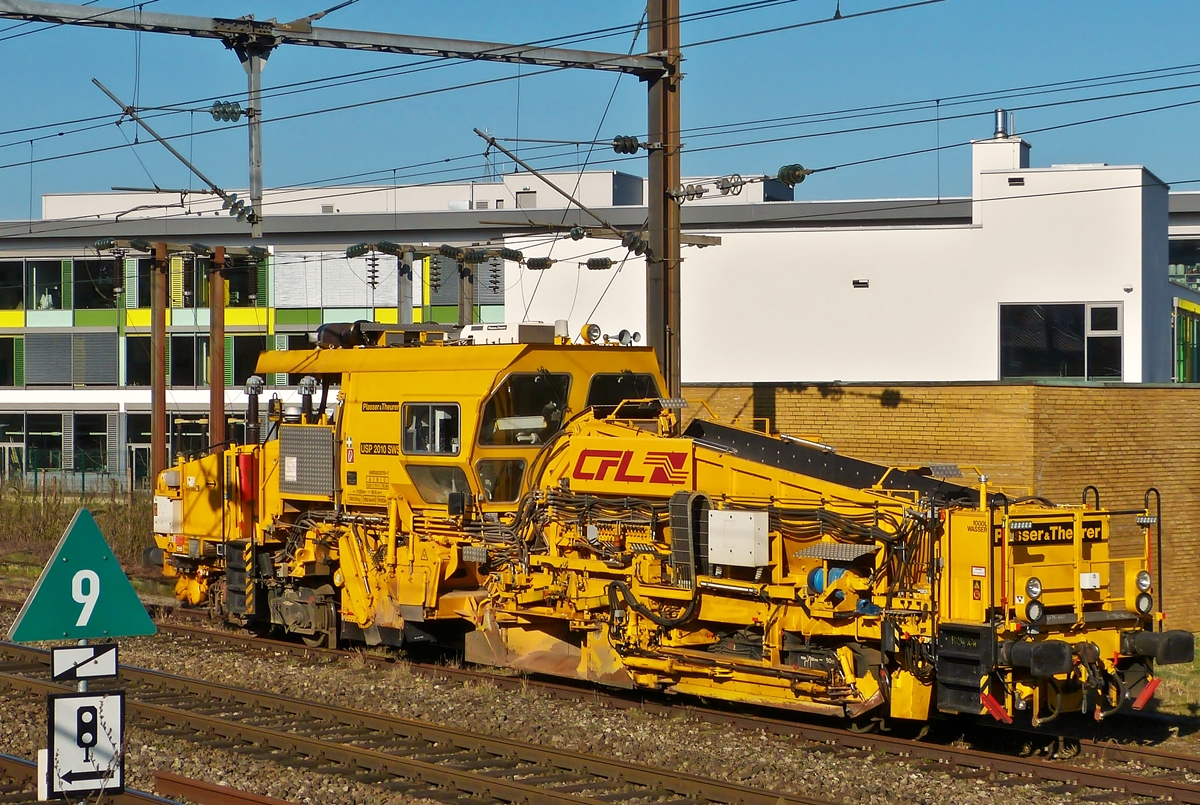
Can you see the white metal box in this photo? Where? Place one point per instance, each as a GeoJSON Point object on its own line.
{"type": "Point", "coordinates": [168, 515]}
{"type": "Point", "coordinates": [526, 332]}
{"type": "Point", "coordinates": [1089, 581]}
{"type": "Point", "coordinates": [738, 538]}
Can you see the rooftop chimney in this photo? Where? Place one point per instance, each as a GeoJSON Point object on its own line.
{"type": "Point", "coordinates": [1001, 124]}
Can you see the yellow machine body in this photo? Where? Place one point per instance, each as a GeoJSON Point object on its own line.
{"type": "Point", "coordinates": [538, 504]}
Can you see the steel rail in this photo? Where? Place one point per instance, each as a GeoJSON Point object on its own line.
{"type": "Point", "coordinates": [203, 793]}
{"type": "Point", "coordinates": [486, 752]}
{"type": "Point", "coordinates": [967, 758]}
{"type": "Point", "coordinates": [25, 771]}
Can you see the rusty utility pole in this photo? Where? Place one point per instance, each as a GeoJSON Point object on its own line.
{"type": "Point", "coordinates": [158, 369]}
{"type": "Point", "coordinates": [216, 351]}
{"type": "Point", "coordinates": [663, 258]}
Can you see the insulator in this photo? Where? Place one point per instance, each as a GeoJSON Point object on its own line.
{"type": "Point", "coordinates": [228, 201]}
{"type": "Point", "coordinates": [599, 263]}
{"type": "Point", "coordinates": [358, 249]}
{"type": "Point", "coordinates": [494, 277]}
{"type": "Point", "coordinates": [226, 111]}
{"type": "Point", "coordinates": [634, 243]}
{"type": "Point", "coordinates": [577, 233]}
{"type": "Point", "coordinates": [387, 247]}
{"type": "Point", "coordinates": [453, 252]}
{"type": "Point", "coordinates": [792, 175]}
{"type": "Point", "coordinates": [104, 244]}
{"type": "Point", "coordinates": [435, 274]}
{"type": "Point", "coordinates": [538, 263]}
{"type": "Point", "coordinates": [731, 184]}
{"type": "Point", "coordinates": [694, 191]}
{"type": "Point", "coordinates": [257, 252]}
{"type": "Point", "coordinates": [141, 245]}
{"type": "Point", "coordinates": [373, 270]}
{"type": "Point", "coordinates": [624, 144]}
{"type": "Point", "coordinates": [474, 256]}
{"type": "Point", "coordinates": [512, 254]}
{"type": "Point", "coordinates": [247, 214]}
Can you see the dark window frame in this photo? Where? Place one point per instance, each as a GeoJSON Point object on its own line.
{"type": "Point", "coordinates": [410, 448]}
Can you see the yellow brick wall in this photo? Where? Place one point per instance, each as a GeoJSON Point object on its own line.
{"type": "Point", "coordinates": [1048, 440]}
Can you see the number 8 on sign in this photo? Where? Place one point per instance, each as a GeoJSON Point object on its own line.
{"type": "Point", "coordinates": [88, 598]}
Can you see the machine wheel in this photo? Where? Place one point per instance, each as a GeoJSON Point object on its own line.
{"type": "Point", "coordinates": [318, 640]}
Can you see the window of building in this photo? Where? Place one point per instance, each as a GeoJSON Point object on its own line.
{"type": "Point", "coordinates": [189, 360]}
{"type": "Point", "coordinates": [1183, 263]}
{"type": "Point", "coordinates": [91, 442]}
{"type": "Point", "coordinates": [297, 341]}
{"type": "Point", "coordinates": [8, 362]}
{"type": "Point", "coordinates": [189, 435]}
{"type": "Point", "coordinates": [12, 285]}
{"type": "Point", "coordinates": [43, 442]}
{"type": "Point", "coordinates": [145, 271]}
{"type": "Point", "coordinates": [44, 285]}
{"type": "Point", "coordinates": [431, 428]}
{"type": "Point", "coordinates": [242, 284]}
{"type": "Point", "coordinates": [1078, 341]}
{"type": "Point", "coordinates": [527, 409]}
{"type": "Point", "coordinates": [501, 478]}
{"type": "Point", "coordinates": [12, 428]}
{"type": "Point", "coordinates": [1187, 345]}
{"type": "Point", "coordinates": [246, 349]}
{"type": "Point", "coordinates": [137, 428]}
{"type": "Point", "coordinates": [137, 360]}
{"type": "Point", "coordinates": [95, 284]}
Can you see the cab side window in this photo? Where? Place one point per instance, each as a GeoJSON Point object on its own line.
{"type": "Point", "coordinates": [431, 429]}
{"type": "Point", "coordinates": [607, 391]}
{"type": "Point", "coordinates": [527, 409]}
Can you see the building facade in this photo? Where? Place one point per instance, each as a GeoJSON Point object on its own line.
{"type": "Point", "coordinates": [1070, 274]}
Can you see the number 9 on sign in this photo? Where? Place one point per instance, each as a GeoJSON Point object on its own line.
{"type": "Point", "coordinates": [88, 597]}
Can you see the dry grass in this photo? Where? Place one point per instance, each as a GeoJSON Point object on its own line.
{"type": "Point", "coordinates": [31, 522]}
{"type": "Point", "coordinates": [1179, 693]}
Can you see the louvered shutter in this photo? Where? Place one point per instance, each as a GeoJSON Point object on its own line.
{"type": "Point", "coordinates": [262, 277]}
{"type": "Point", "coordinates": [48, 359]}
{"type": "Point", "coordinates": [228, 361]}
{"type": "Point", "coordinates": [18, 361]}
{"type": "Point", "coordinates": [131, 283]}
{"type": "Point", "coordinates": [94, 359]}
{"type": "Point", "coordinates": [176, 274]}
{"type": "Point", "coordinates": [68, 442]}
{"type": "Point", "coordinates": [281, 343]}
{"type": "Point", "coordinates": [68, 284]}
{"type": "Point", "coordinates": [113, 443]}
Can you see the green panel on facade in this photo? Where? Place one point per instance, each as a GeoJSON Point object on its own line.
{"type": "Point", "coordinates": [19, 361]}
{"type": "Point", "coordinates": [263, 279]}
{"type": "Point", "coordinates": [307, 316]}
{"type": "Point", "coordinates": [444, 314]}
{"type": "Point", "coordinates": [68, 284]}
{"type": "Point", "coordinates": [95, 318]}
{"type": "Point", "coordinates": [228, 361]}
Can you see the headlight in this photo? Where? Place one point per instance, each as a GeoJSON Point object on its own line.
{"type": "Point", "coordinates": [1033, 587]}
{"type": "Point", "coordinates": [1035, 611]}
{"type": "Point", "coordinates": [1144, 603]}
{"type": "Point", "coordinates": [1143, 580]}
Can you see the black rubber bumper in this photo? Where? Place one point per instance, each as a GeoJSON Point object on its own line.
{"type": "Point", "coordinates": [1043, 658]}
{"type": "Point", "coordinates": [1165, 648]}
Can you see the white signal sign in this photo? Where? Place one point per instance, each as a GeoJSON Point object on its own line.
{"type": "Point", "coordinates": [83, 662]}
{"type": "Point", "coordinates": [85, 743]}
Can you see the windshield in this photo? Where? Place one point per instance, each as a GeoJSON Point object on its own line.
{"type": "Point", "coordinates": [527, 409]}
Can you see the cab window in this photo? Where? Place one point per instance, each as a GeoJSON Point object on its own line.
{"type": "Point", "coordinates": [527, 409]}
{"type": "Point", "coordinates": [501, 478]}
{"type": "Point", "coordinates": [609, 390]}
{"type": "Point", "coordinates": [431, 429]}
{"type": "Point", "coordinates": [434, 484]}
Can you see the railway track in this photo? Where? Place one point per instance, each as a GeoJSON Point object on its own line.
{"type": "Point", "coordinates": [1056, 776]}
{"type": "Point", "coordinates": [817, 733]}
{"type": "Point", "coordinates": [413, 758]}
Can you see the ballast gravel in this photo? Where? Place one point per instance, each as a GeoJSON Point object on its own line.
{"type": "Point", "coordinates": [748, 757]}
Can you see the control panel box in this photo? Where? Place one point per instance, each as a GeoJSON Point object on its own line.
{"type": "Point", "coordinates": [738, 538]}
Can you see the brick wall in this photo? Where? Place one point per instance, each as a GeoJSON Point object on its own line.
{"type": "Point", "coordinates": [1048, 440]}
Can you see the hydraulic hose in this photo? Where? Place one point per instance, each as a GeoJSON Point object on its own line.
{"type": "Point", "coordinates": [616, 588]}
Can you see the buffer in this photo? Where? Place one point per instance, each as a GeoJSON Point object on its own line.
{"type": "Point", "coordinates": [83, 593]}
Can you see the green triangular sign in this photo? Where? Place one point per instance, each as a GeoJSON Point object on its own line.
{"type": "Point", "coordinates": [83, 593]}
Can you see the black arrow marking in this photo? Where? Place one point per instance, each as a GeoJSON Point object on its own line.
{"type": "Point", "coordinates": [74, 776]}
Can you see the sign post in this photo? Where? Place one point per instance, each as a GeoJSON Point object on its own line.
{"type": "Point", "coordinates": [82, 594]}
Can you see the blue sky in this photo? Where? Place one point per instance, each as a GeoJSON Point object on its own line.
{"type": "Point", "coordinates": [911, 56]}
